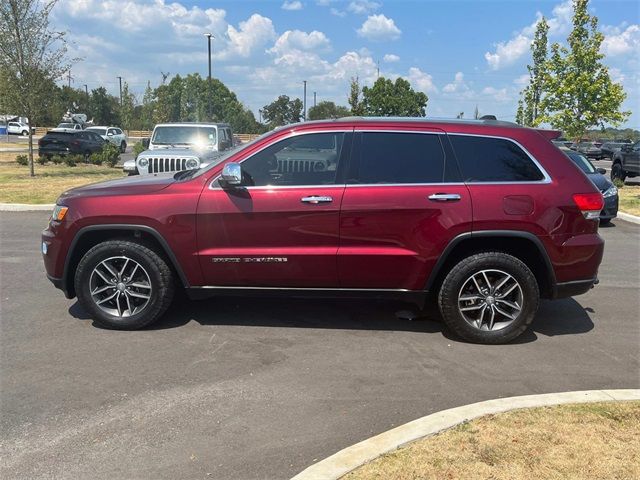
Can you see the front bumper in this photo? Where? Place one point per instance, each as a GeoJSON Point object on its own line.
{"type": "Point", "coordinates": [571, 289]}
{"type": "Point", "coordinates": [610, 209]}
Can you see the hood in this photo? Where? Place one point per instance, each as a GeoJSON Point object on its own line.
{"type": "Point", "coordinates": [134, 185]}
{"type": "Point", "coordinates": [600, 181]}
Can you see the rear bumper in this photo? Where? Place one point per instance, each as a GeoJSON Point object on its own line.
{"type": "Point", "coordinates": [571, 289]}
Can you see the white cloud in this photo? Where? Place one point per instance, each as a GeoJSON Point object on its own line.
{"type": "Point", "coordinates": [297, 40]}
{"type": "Point", "coordinates": [619, 42]}
{"type": "Point", "coordinates": [498, 94]}
{"type": "Point", "coordinates": [253, 34]}
{"type": "Point", "coordinates": [508, 52]}
{"type": "Point", "coordinates": [363, 7]}
{"type": "Point", "coordinates": [390, 58]}
{"type": "Point", "coordinates": [337, 13]}
{"type": "Point", "coordinates": [522, 81]}
{"type": "Point", "coordinates": [379, 28]}
{"type": "Point", "coordinates": [421, 80]}
{"type": "Point", "coordinates": [457, 86]}
{"type": "Point", "coordinates": [291, 5]}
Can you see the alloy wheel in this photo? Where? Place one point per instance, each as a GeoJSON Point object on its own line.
{"type": "Point", "coordinates": [490, 300]}
{"type": "Point", "coordinates": [120, 286]}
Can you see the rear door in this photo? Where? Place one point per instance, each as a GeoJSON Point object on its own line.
{"type": "Point", "coordinates": [281, 228]}
{"type": "Point", "coordinates": [403, 203]}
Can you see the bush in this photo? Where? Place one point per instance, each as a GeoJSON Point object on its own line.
{"type": "Point", "coordinates": [109, 155]}
{"type": "Point", "coordinates": [618, 183]}
{"type": "Point", "coordinates": [22, 160]}
{"type": "Point", "coordinates": [70, 160]}
{"type": "Point", "coordinates": [96, 158]}
{"type": "Point", "coordinates": [42, 160]}
{"type": "Point", "coordinates": [138, 149]}
{"type": "Point", "coordinates": [57, 159]}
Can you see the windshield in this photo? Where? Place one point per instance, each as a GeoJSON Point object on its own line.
{"type": "Point", "coordinates": [184, 135]}
{"type": "Point", "coordinates": [582, 162]}
{"type": "Point", "coordinates": [225, 155]}
{"type": "Point", "coordinates": [66, 125]}
{"type": "Point", "coordinates": [99, 131]}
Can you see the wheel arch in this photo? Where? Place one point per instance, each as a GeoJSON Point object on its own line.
{"type": "Point", "coordinates": [88, 237]}
{"type": "Point", "coordinates": [523, 245]}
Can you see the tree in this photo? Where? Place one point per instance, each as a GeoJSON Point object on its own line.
{"type": "Point", "coordinates": [127, 107]}
{"type": "Point", "coordinates": [326, 109]}
{"type": "Point", "coordinates": [282, 111]}
{"type": "Point", "coordinates": [579, 90]}
{"type": "Point", "coordinates": [531, 114]}
{"type": "Point", "coordinates": [103, 108]}
{"type": "Point", "coordinates": [354, 98]}
{"type": "Point", "coordinates": [32, 57]}
{"type": "Point", "coordinates": [148, 105]}
{"type": "Point", "coordinates": [393, 99]}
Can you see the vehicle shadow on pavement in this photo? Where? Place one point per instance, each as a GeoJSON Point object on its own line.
{"type": "Point", "coordinates": [560, 317]}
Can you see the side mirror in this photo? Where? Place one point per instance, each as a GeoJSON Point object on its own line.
{"type": "Point", "coordinates": [110, 134]}
{"type": "Point", "coordinates": [232, 174]}
{"type": "Point", "coordinates": [601, 171]}
{"type": "Point", "coordinates": [145, 143]}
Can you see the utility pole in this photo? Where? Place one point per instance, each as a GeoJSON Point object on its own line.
{"type": "Point", "coordinates": [260, 115]}
{"type": "Point", "coordinates": [304, 115]}
{"type": "Point", "coordinates": [208, 35]}
{"type": "Point", "coordinates": [120, 79]}
{"type": "Point", "coordinates": [378, 68]}
{"type": "Point", "coordinates": [314, 99]}
{"type": "Point", "coordinates": [86, 90]}
{"type": "Point", "coordinates": [69, 78]}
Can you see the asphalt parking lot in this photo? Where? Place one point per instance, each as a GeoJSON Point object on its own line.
{"type": "Point", "coordinates": [244, 389]}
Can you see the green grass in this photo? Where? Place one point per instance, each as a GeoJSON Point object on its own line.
{"type": "Point", "coordinates": [629, 199]}
{"type": "Point", "coordinates": [16, 186]}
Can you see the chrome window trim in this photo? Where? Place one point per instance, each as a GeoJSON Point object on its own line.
{"type": "Point", "coordinates": [546, 177]}
{"type": "Point", "coordinates": [293, 134]}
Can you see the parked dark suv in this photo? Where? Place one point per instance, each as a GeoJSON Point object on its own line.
{"type": "Point", "coordinates": [626, 162]}
{"type": "Point", "coordinates": [79, 142]}
{"type": "Point", "coordinates": [487, 215]}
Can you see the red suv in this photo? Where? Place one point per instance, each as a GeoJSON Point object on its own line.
{"type": "Point", "coordinates": [487, 215]}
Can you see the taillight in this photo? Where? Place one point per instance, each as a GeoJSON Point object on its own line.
{"type": "Point", "coordinates": [589, 204]}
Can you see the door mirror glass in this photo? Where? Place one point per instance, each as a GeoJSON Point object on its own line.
{"type": "Point", "coordinates": [601, 171]}
{"type": "Point", "coordinates": [231, 174]}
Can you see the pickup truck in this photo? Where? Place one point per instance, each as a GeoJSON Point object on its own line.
{"type": "Point", "coordinates": [174, 147]}
{"type": "Point", "coordinates": [626, 162]}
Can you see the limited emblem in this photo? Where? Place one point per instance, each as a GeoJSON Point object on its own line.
{"type": "Point", "coordinates": [249, 259]}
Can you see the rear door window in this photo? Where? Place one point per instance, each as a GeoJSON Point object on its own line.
{"type": "Point", "coordinates": [397, 158]}
{"type": "Point", "coordinates": [488, 159]}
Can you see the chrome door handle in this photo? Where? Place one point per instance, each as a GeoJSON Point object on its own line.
{"type": "Point", "coordinates": [314, 199]}
{"type": "Point", "coordinates": [444, 197]}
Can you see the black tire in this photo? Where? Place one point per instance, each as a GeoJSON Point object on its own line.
{"type": "Point", "coordinates": [123, 147]}
{"type": "Point", "coordinates": [459, 277]}
{"type": "Point", "coordinates": [605, 221]}
{"type": "Point", "coordinates": [25, 133]}
{"type": "Point", "coordinates": [159, 275]}
{"type": "Point", "coordinates": [617, 172]}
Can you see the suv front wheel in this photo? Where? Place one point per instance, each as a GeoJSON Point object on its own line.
{"type": "Point", "coordinates": [490, 297]}
{"type": "Point", "coordinates": [123, 285]}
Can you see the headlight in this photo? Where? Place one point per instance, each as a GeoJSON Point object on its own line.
{"type": "Point", "coordinates": [143, 162]}
{"type": "Point", "coordinates": [610, 192]}
{"type": "Point", "coordinates": [59, 211]}
{"type": "Point", "coordinates": [192, 163]}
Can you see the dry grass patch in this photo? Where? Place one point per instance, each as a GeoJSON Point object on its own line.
{"type": "Point", "coordinates": [16, 186]}
{"type": "Point", "coordinates": [629, 199]}
{"type": "Point", "coordinates": [583, 441]}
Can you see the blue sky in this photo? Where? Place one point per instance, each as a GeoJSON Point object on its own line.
{"type": "Point", "coordinates": [460, 53]}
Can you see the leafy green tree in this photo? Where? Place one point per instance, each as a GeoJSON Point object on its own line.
{"type": "Point", "coordinates": [326, 109]}
{"type": "Point", "coordinates": [32, 57]}
{"type": "Point", "coordinates": [103, 108]}
{"type": "Point", "coordinates": [282, 111]}
{"type": "Point", "coordinates": [530, 113]}
{"type": "Point", "coordinates": [354, 99]}
{"type": "Point", "coordinates": [148, 106]}
{"type": "Point", "coordinates": [579, 91]}
{"type": "Point", "coordinates": [127, 107]}
{"type": "Point", "coordinates": [393, 99]}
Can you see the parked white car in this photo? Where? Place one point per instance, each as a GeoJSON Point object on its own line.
{"type": "Point", "coordinates": [17, 128]}
{"type": "Point", "coordinates": [113, 135]}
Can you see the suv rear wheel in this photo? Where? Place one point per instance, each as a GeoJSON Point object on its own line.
{"type": "Point", "coordinates": [617, 172]}
{"type": "Point", "coordinates": [490, 297]}
{"type": "Point", "coordinates": [123, 285]}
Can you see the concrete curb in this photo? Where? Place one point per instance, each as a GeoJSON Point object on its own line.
{"type": "Point", "coordinates": [627, 217]}
{"type": "Point", "coordinates": [25, 207]}
{"type": "Point", "coordinates": [352, 457]}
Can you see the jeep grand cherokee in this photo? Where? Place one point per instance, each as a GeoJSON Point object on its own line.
{"type": "Point", "coordinates": [488, 215]}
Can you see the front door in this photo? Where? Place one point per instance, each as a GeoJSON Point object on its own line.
{"type": "Point", "coordinates": [403, 203]}
{"type": "Point", "coordinates": [280, 229]}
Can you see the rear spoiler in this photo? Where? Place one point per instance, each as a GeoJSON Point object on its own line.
{"type": "Point", "coordinates": [549, 134]}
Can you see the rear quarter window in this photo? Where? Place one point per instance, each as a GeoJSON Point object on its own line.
{"type": "Point", "coordinates": [487, 159]}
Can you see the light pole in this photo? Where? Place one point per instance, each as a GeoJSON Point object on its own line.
{"type": "Point", "coordinates": [209, 36]}
{"type": "Point", "coordinates": [86, 90]}
{"type": "Point", "coordinates": [304, 115]}
{"type": "Point", "coordinates": [120, 80]}
{"type": "Point", "coordinates": [260, 115]}
{"type": "Point", "coordinates": [314, 99]}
